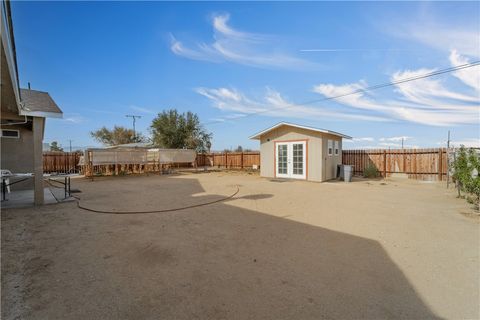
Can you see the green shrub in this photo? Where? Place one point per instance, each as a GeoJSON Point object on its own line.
{"type": "Point", "coordinates": [466, 169]}
{"type": "Point", "coordinates": [371, 171]}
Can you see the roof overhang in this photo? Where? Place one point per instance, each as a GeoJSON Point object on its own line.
{"type": "Point", "coordinates": [8, 42]}
{"type": "Point", "coordinates": [38, 104]}
{"type": "Point", "coordinates": [41, 114]}
{"type": "Point", "coordinates": [259, 134]}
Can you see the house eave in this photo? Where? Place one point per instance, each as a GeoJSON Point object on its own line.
{"type": "Point", "coordinates": [258, 135]}
{"type": "Point", "coordinates": [41, 114]}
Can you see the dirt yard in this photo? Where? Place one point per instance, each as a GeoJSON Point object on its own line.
{"type": "Point", "coordinates": [277, 250]}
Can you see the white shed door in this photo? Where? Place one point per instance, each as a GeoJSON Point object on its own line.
{"type": "Point", "coordinates": [291, 160]}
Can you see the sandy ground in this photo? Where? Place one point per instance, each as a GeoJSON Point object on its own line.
{"type": "Point", "coordinates": [277, 250]}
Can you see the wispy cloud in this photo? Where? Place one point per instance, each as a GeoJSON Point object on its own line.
{"type": "Point", "coordinates": [142, 110]}
{"type": "Point", "coordinates": [390, 142]}
{"type": "Point", "coordinates": [383, 145]}
{"type": "Point", "coordinates": [353, 50]}
{"type": "Point", "coordinates": [400, 138]}
{"type": "Point", "coordinates": [467, 142]}
{"type": "Point", "coordinates": [396, 145]}
{"type": "Point", "coordinates": [273, 104]}
{"type": "Point", "coordinates": [472, 143]}
{"type": "Point", "coordinates": [231, 45]}
{"type": "Point", "coordinates": [367, 139]}
{"type": "Point", "coordinates": [360, 140]}
{"type": "Point", "coordinates": [437, 33]}
{"type": "Point", "coordinates": [445, 38]}
{"type": "Point", "coordinates": [426, 101]}
{"type": "Point", "coordinates": [471, 77]}
{"type": "Point", "coordinates": [74, 118]}
{"type": "Point", "coordinates": [101, 111]}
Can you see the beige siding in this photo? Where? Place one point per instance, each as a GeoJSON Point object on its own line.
{"type": "Point", "coordinates": [266, 158]}
{"type": "Point", "coordinates": [331, 162]}
{"type": "Point", "coordinates": [320, 166]}
{"type": "Point", "coordinates": [17, 154]}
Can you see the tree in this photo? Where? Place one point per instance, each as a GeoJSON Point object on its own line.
{"type": "Point", "coordinates": [239, 149]}
{"type": "Point", "coordinates": [466, 174]}
{"type": "Point", "coordinates": [171, 129]}
{"type": "Point", "coordinates": [118, 135]}
{"type": "Point", "coordinates": [55, 147]}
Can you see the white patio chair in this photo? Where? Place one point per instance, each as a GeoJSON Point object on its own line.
{"type": "Point", "coordinates": [7, 180]}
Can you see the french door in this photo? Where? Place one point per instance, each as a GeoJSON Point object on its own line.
{"type": "Point", "coordinates": [291, 159]}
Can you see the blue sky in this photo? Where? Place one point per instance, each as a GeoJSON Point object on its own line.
{"type": "Point", "coordinates": [224, 60]}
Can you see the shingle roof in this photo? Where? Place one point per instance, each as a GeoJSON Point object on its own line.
{"type": "Point", "coordinates": [38, 103]}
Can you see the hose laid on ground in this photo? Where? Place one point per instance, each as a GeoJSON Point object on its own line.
{"type": "Point", "coordinates": [158, 211]}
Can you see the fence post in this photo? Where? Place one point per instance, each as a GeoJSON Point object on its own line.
{"type": "Point", "coordinates": [90, 164]}
{"type": "Point", "coordinates": [384, 164]}
{"type": "Point", "coordinates": [447, 156]}
{"type": "Point", "coordinates": [226, 160]}
{"type": "Point", "coordinates": [440, 165]}
{"type": "Point", "coordinates": [241, 160]}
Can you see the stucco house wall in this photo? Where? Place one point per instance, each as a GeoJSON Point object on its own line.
{"type": "Point", "coordinates": [24, 110]}
{"type": "Point", "coordinates": [17, 154]}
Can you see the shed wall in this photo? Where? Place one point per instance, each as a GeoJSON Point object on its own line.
{"type": "Point", "coordinates": [320, 166]}
{"type": "Point", "coordinates": [314, 150]}
{"type": "Point", "coordinates": [331, 162]}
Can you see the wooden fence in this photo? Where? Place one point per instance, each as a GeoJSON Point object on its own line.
{"type": "Point", "coordinates": [61, 162]}
{"type": "Point", "coordinates": [230, 160]}
{"type": "Point", "coordinates": [420, 164]}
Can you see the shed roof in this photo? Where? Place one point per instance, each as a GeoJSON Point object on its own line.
{"type": "Point", "coordinates": [39, 104]}
{"type": "Point", "coordinates": [259, 134]}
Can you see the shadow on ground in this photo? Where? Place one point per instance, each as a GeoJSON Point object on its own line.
{"type": "Point", "coordinates": [215, 262]}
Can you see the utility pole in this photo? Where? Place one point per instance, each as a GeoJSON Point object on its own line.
{"type": "Point", "coordinates": [402, 142]}
{"type": "Point", "coordinates": [134, 117]}
{"type": "Point", "coordinates": [70, 142]}
{"type": "Point", "coordinates": [448, 159]}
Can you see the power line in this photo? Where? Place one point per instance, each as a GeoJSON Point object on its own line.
{"type": "Point", "coordinates": [363, 90]}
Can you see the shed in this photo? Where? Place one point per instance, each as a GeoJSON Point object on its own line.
{"type": "Point", "coordinates": [295, 151]}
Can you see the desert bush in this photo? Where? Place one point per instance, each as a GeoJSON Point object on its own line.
{"type": "Point", "coordinates": [466, 169]}
{"type": "Point", "coordinates": [371, 171]}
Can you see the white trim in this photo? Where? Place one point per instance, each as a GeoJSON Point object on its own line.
{"type": "Point", "coordinates": [259, 134]}
{"type": "Point", "coordinates": [9, 54]}
{"type": "Point", "coordinates": [290, 160]}
{"type": "Point", "coordinates": [10, 137]}
{"type": "Point", "coordinates": [41, 114]}
{"type": "Point", "coordinates": [277, 174]}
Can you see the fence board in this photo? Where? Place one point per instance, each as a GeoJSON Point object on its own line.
{"type": "Point", "coordinates": [61, 162]}
{"type": "Point", "coordinates": [231, 160]}
{"type": "Point", "coordinates": [421, 164]}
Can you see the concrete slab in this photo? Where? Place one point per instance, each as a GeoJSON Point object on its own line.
{"type": "Point", "coordinates": [25, 198]}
